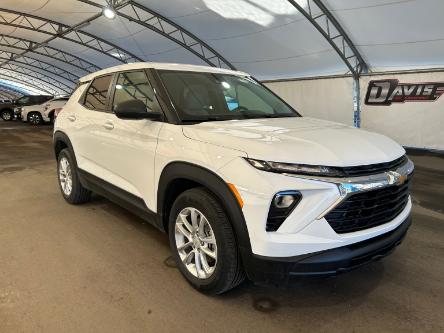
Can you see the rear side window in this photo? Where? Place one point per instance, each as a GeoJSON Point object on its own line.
{"type": "Point", "coordinates": [134, 85]}
{"type": "Point", "coordinates": [97, 93]}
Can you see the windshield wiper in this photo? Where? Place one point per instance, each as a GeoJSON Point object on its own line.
{"type": "Point", "coordinates": [201, 120]}
{"type": "Point", "coordinates": [258, 115]}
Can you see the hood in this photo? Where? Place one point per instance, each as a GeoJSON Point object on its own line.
{"type": "Point", "coordinates": [298, 140]}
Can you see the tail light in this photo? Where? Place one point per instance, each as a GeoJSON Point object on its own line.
{"type": "Point", "coordinates": [56, 112]}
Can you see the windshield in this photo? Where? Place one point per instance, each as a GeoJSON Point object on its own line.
{"type": "Point", "coordinates": [201, 97]}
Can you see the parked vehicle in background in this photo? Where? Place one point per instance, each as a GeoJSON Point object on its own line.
{"type": "Point", "coordinates": [14, 108]}
{"type": "Point", "coordinates": [43, 113]}
{"type": "Point", "coordinates": [243, 184]}
{"type": "Point", "coordinates": [5, 101]}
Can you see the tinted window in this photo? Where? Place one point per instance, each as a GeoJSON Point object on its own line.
{"type": "Point", "coordinates": [134, 85]}
{"type": "Point", "coordinates": [23, 100]}
{"type": "Point", "coordinates": [96, 95]}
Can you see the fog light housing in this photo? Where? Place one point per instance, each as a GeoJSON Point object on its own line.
{"type": "Point", "coordinates": [284, 200]}
{"type": "Point", "coordinates": [282, 205]}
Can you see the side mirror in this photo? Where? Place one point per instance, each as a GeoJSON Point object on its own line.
{"type": "Point", "coordinates": [135, 109]}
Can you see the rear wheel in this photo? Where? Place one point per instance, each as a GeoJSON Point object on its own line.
{"type": "Point", "coordinates": [70, 186]}
{"type": "Point", "coordinates": [7, 115]}
{"type": "Point", "coordinates": [203, 242]}
{"type": "Point", "coordinates": [35, 118]}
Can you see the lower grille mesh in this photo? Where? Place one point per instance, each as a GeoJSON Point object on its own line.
{"type": "Point", "coordinates": [369, 209]}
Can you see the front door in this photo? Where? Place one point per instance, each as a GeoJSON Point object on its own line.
{"type": "Point", "coordinates": [131, 144]}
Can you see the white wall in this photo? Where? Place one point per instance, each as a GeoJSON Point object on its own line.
{"type": "Point", "coordinates": [330, 99]}
{"type": "Point", "coordinates": [412, 124]}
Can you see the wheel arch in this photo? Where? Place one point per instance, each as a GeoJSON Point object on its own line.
{"type": "Point", "coordinates": [51, 113]}
{"type": "Point", "coordinates": [33, 111]}
{"type": "Point", "coordinates": [177, 177]}
{"type": "Point", "coordinates": [60, 142]}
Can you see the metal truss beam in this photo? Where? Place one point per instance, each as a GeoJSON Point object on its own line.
{"type": "Point", "coordinates": [47, 80]}
{"type": "Point", "coordinates": [27, 81]}
{"type": "Point", "coordinates": [154, 21]}
{"type": "Point", "coordinates": [38, 64]}
{"type": "Point", "coordinates": [48, 51]}
{"type": "Point", "coordinates": [323, 20]}
{"type": "Point", "coordinates": [71, 33]}
{"type": "Point", "coordinates": [6, 94]}
{"type": "Point", "coordinates": [10, 90]}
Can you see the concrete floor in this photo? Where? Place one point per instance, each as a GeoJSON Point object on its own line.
{"type": "Point", "coordinates": [98, 268]}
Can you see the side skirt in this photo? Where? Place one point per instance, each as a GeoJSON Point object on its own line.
{"type": "Point", "coordinates": [129, 201]}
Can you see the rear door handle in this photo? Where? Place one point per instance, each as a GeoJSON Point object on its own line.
{"type": "Point", "coordinates": [109, 125]}
{"type": "Point", "coordinates": [72, 117]}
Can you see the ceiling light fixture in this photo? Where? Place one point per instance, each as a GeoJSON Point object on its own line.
{"type": "Point", "coordinates": [109, 12]}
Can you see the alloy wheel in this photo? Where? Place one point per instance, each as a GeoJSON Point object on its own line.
{"type": "Point", "coordinates": [34, 119]}
{"type": "Point", "coordinates": [196, 243]}
{"type": "Point", "coordinates": [65, 176]}
{"type": "Point", "coordinates": [6, 116]}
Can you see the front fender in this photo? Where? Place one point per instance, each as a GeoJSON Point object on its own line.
{"type": "Point", "coordinates": [214, 183]}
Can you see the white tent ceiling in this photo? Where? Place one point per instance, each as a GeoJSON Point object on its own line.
{"type": "Point", "coordinates": [269, 38]}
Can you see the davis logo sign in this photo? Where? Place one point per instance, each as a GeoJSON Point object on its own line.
{"type": "Point", "coordinates": [386, 92]}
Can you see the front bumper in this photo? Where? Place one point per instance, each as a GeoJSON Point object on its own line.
{"type": "Point", "coordinates": [18, 113]}
{"type": "Point", "coordinates": [282, 270]}
{"type": "Point", "coordinates": [305, 230]}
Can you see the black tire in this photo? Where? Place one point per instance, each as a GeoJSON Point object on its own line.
{"type": "Point", "coordinates": [228, 272]}
{"type": "Point", "coordinates": [35, 118]}
{"type": "Point", "coordinates": [78, 193]}
{"type": "Point", "coordinates": [7, 115]}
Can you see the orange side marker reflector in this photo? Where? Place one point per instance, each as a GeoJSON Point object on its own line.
{"type": "Point", "coordinates": [236, 194]}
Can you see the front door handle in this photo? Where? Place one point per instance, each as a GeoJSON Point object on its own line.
{"type": "Point", "coordinates": [72, 117]}
{"type": "Point", "coordinates": [108, 125]}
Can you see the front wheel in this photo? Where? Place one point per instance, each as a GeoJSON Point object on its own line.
{"type": "Point", "coordinates": [203, 242]}
{"type": "Point", "coordinates": [7, 115]}
{"type": "Point", "coordinates": [35, 118]}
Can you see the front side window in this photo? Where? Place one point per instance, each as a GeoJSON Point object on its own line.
{"type": "Point", "coordinates": [96, 96]}
{"type": "Point", "coordinates": [134, 85]}
{"type": "Point", "coordinates": [23, 100]}
{"type": "Point", "coordinates": [210, 96]}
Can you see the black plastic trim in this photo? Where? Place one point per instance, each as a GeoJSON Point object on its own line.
{"type": "Point", "coordinates": [281, 214]}
{"type": "Point", "coordinates": [129, 201]}
{"type": "Point", "coordinates": [59, 136]}
{"type": "Point", "coordinates": [282, 270]}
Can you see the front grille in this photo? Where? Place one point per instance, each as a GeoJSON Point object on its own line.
{"type": "Point", "coordinates": [369, 209]}
{"type": "Point", "coordinates": [371, 169]}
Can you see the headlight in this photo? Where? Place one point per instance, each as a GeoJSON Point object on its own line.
{"type": "Point", "coordinates": [299, 169]}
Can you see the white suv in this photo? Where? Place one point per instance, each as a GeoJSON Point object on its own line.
{"type": "Point", "coordinates": [243, 185]}
{"type": "Point", "coordinates": [42, 113]}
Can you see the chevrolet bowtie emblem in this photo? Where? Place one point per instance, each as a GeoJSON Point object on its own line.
{"type": "Point", "coordinates": [395, 178]}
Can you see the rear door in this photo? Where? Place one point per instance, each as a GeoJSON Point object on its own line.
{"type": "Point", "coordinates": [86, 123]}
